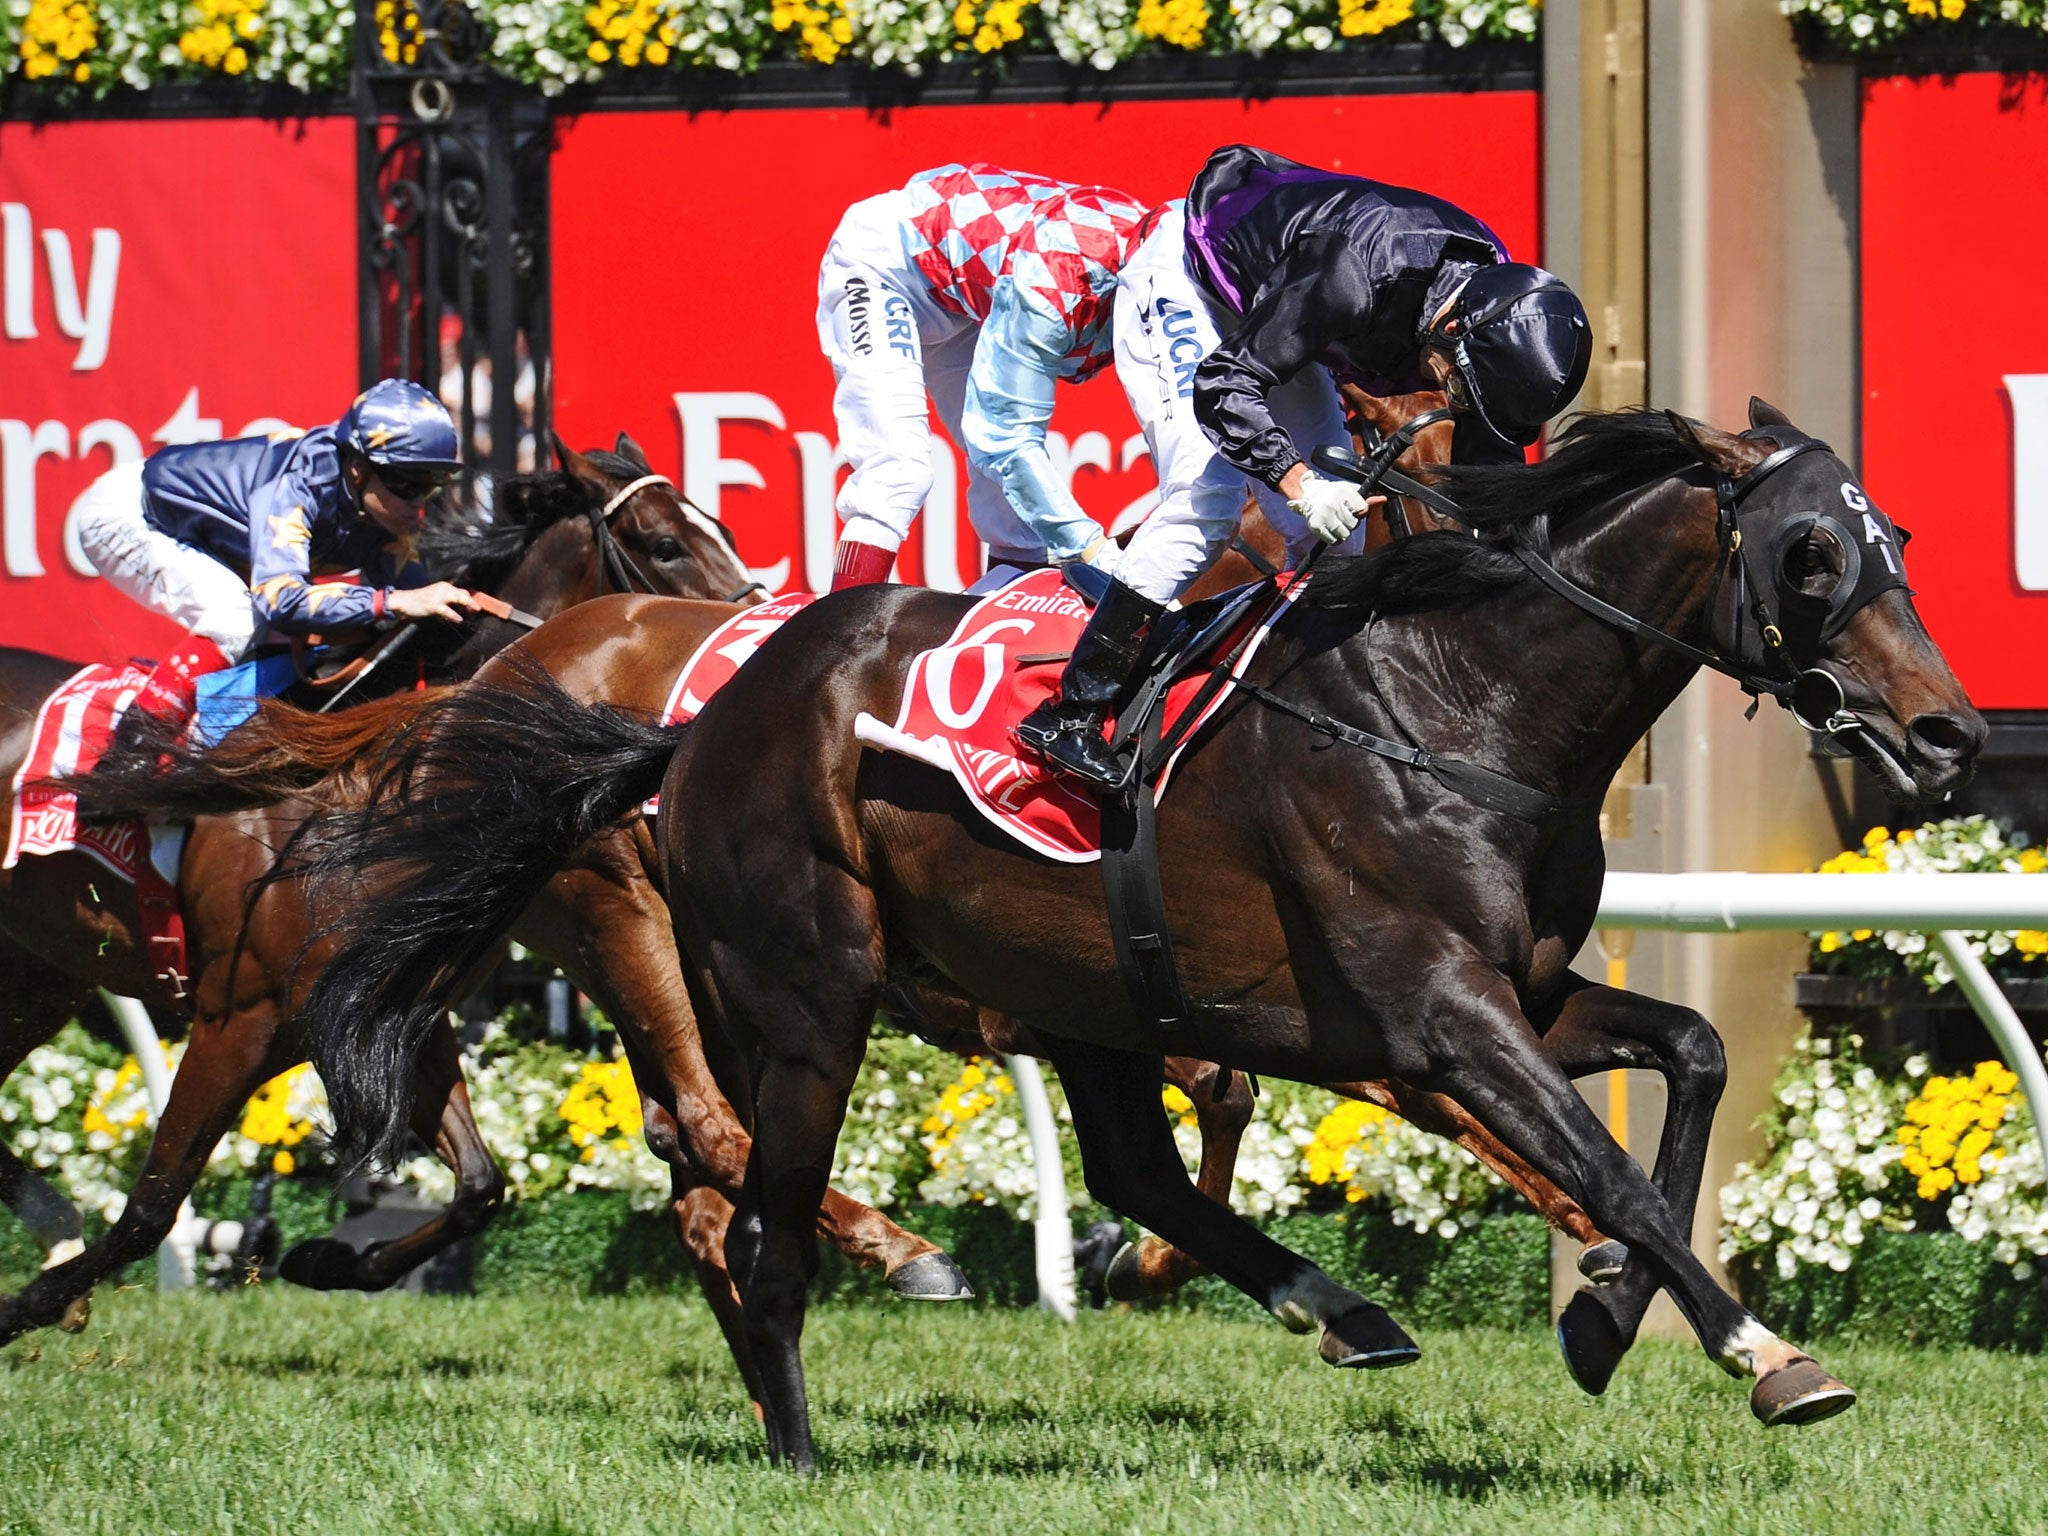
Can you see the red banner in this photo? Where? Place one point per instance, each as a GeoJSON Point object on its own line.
{"type": "Point", "coordinates": [1955, 364]}
{"type": "Point", "coordinates": [160, 282]}
{"type": "Point", "coordinates": [686, 254]}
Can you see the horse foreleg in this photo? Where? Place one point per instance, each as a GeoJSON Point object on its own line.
{"type": "Point", "coordinates": [1223, 1109]}
{"type": "Point", "coordinates": [1132, 1166]}
{"type": "Point", "coordinates": [224, 1062]}
{"type": "Point", "coordinates": [441, 1115]}
{"type": "Point", "coordinates": [702, 1217]}
{"type": "Point", "coordinates": [1445, 1117]}
{"type": "Point", "coordinates": [1485, 1053]}
{"type": "Point", "coordinates": [1597, 1028]}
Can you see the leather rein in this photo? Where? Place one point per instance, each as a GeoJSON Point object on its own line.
{"type": "Point", "coordinates": [1813, 695]}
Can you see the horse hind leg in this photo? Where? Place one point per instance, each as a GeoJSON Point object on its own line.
{"type": "Point", "coordinates": [37, 1001]}
{"type": "Point", "coordinates": [225, 1061]}
{"type": "Point", "coordinates": [1132, 1166]}
{"type": "Point", "coordinates": [441, 1116]}
{"type": "Point", "coordinates": [1223, 1109]}
{"type": "Point", "coordinates": [613, 920]}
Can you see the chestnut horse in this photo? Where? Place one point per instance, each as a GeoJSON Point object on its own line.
{"type": "Point", "coordinates": [66, 928]}
{"type": "Point", "coordinates": [1339, 915]}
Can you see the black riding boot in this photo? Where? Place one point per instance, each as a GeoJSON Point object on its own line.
{"type": "Point", "coordinates": [1066, 730]}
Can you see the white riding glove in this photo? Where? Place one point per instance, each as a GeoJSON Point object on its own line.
{"type": "Point", "coordinates": [1331, 508]}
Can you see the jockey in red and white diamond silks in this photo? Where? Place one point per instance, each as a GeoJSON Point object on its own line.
{"type": "Point", "coordinates": [979, 288]}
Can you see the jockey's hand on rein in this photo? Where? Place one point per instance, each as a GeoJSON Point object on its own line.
{"type": "Point", "coordinates": [1331, 508]}
{"type": "Point", "coordinates": [436, 600]}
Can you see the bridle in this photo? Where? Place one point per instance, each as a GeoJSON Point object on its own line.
{"type": "Point", "coordinates": [612, 559]}
{"type": "Point", "coordinates": [1778, 652]}
{"type": "Point", "coordinates": [1779, 656]}
{"type": "Point", "coordinates": [1383, 451]}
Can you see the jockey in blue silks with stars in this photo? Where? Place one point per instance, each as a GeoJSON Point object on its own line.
{"type": "Point", "coordinates": [225, 538]}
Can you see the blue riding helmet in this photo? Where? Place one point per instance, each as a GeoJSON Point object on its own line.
{"type": "Point", "coordinates": [397, 422]}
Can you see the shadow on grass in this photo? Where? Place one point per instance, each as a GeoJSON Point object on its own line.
{"type": "Point", "coordinates": [398, 1367]}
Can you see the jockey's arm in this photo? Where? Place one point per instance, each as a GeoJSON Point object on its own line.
{"type": "Point", "coordinates": [1318, 293]}
{"type": "Point", "coordinates": [280, 566]}
{"type": "Point", "coordinates": [1017, 363]}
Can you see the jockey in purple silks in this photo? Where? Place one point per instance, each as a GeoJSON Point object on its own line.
{"type": "Point", "coordinates": [1245, 307]}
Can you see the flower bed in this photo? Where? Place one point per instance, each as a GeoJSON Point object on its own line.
{"type": "Point", "coordinates": [1864, 25]}
{"type": "Point", "coordinates": [94, 45]}
{"type": "Point", "coordinates": [308, 44]}
{"type": "Point", "coordinates": [925, 1133]}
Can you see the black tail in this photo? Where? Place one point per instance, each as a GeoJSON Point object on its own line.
{"type": "Point", "coordinates": [279, 753]}
{"type": "Point", "coordinates": [469, 813]}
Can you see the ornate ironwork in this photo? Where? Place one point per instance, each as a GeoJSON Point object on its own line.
{"type": "Point", "coordinates": [452, 171]}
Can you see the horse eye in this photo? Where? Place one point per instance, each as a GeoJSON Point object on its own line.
{"type": "Point", "coordinates": [1814, 563]}
{"type": "Point", "coordinates": [668, 549]}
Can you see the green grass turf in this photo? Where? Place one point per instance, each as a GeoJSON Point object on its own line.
{"type": "Point", "coordinates": [291, 1412]}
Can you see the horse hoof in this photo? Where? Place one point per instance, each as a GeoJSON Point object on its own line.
{"type": "Point", "coordinates": [931, 1277]}
{"type": "Point", "coordinates": [76, 1316]}
{"type": "Point", "coordinates": [1602, 1262]}
{"type": "Point", "coordinates": [1592, 1345]}
{"type": "Point", "coordinates": [1800, 1393]}
{"type": "Point", "coordinates": [320, 1264]}
{"type": "Point", "coordinates": [1366, 1339]}
{"type": "Point", "coordinates": [1125, 1279]}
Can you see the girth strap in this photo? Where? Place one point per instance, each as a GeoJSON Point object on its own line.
{"type": "Point", "coordinates": [1136, 899]}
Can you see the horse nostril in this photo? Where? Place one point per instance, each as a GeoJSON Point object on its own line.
{"type": "Point", "coordinates": [1948, 735]}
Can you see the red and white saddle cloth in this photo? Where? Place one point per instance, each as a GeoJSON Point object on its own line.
{"type": "Point", "coordinates": [962, 700]}
{"type": "Point", "coordinates": [73, 730]}
{"type": "Point", "coordinates": [720, 655]}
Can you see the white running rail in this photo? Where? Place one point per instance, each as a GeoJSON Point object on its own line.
{"type": "Point", "coordinates": [1944, 906]}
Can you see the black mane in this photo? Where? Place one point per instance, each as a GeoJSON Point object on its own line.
{"type": "Point", "coordinates": [478, 550]}
{"type": "Point", "coordinates": [1596, 459]}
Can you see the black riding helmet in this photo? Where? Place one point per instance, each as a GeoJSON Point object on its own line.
{"type": "Point", "coordinates": [1522, 344]}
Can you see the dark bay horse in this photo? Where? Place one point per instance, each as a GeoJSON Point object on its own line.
{"type": "Point", "coordinates": [67, 928]}
{"type": "Point", "coordinates": [1338, 917]}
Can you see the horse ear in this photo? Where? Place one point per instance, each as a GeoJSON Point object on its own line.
{"type": "Point", "coordinates": [1724, 451]}
{"type": "Point", "coordinates": [578, 465]}
{"type": "Point", "coordinates": [631, 451]}
{"type": "Point", "coordinates": [1764, 414]}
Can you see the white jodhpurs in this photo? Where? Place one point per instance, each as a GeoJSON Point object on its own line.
{"type": "Point", "coordinates": [896, 357]}
{"type": "Point", "coordinates": [1164, 328]}
{"type": "Point", "coordinates": [186, 585]}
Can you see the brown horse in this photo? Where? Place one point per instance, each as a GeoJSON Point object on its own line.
{"type": "Point", "coordinates": [1338, 915]}
{"type": "Point", "coordinates": [642, 646]}
{"type": "Point", "coordinates": [66, 928]}
{"type": "Point", "coordinates": [606, 910]}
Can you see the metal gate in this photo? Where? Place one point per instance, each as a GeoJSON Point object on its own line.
{"type": "Point", "coordinates": [452, 178]}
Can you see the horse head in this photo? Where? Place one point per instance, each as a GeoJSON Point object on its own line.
{"type": "Point", "coordinates": [1813, 588]}
{"type": "Point", "coordinates": [647, 537]}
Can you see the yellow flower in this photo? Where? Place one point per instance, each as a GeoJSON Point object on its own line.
{"type": "Point", "coordinates": [1339, 1133]}
{"type": "Point", "coordinates": [1952, 1127]}
{"type": "Point", "coordinates": [1369, 18]}
{"type": "Point", "coordinates": [1177, 23]}
{"type": "Point", "coordinates": [284, 1163]}
{"type": "Point", "coordinates": [56, 35]}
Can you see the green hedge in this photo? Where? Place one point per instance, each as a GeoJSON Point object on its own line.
{"type": "Point", "coordinates": [1497, 1275]}
{"type": "Point", "coordinates": [1908, 1288]}
{"type": "Point", "coordinates": [1913, 1287]}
